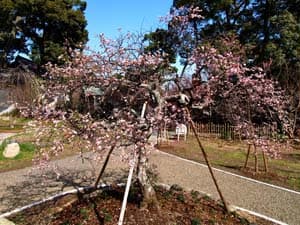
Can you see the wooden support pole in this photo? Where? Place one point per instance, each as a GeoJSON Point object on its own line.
{"type": "Point", "coordinates": [209, 166]}
{"type": "Point", "coordinates": [104, 165]}
{"type": "Point", "coordinates": [255, 159]}
{"type": "Point", "coordinates": [247, 157]}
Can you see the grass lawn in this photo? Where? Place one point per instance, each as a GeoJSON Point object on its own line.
{"type": "Point", "coordinates": [231, 155]}
{"type": "Point", "coordinates": [9, 124]}
{"type": "Point", "coordinates": [23, 159]}
{"type": "Point", "coordinates": [28, 151]}
{"type": "Point", "coordinates": [26, 139]}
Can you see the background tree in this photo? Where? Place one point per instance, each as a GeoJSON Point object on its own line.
{"type": "Point", "coordinates": [10, 40]}
{"type": "Point", "coordinates": [46, 28]}
{"type": "Point", "coordinates": [268, 30]}
{"type": "Point", "coordinates": [163, 41]}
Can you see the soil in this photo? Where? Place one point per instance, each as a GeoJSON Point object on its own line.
{"type": "Point", "coordinates": [103, 207]}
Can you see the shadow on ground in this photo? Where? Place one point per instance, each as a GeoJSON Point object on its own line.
{"type": "Point", "coordinates": [43, 185]}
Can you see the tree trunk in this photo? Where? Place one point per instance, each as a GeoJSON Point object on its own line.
{"type": "Point", "coordinates": [158, 137]}
{"type": "Point", "coordinates": [149, 195]}
{"type": "Point", "coordinates": [296, 116]}
{"type": "Point", "coordinates": [247, 157]}
{"type": "Point", "coordinates": [265, 162]}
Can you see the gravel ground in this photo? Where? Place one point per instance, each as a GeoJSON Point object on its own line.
{"type": "Point", "coordinates": [21, 187]}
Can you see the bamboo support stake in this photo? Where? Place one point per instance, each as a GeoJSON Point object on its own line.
{"type": "Point", "coordinates": [104, 165]}
{"type": "Point", "coordinates": [209, 166]}
{"type": "Point", "coordinates": [124, 203]}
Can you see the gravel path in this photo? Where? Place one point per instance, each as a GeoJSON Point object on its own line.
{"type": "Point", "coordinates": [258, 197]}
{"type": "Point", "coordinates": [24, 186]}
{"type": "Point", "coordinates": [21, 187]}
{"type": "Point", "coordinates": [5, 135]}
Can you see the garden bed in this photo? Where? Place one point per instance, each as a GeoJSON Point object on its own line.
{"type": "Point", "coordinates": [103, 207]}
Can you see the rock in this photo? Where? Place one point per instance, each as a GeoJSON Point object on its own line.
{"type": "Point", "coordinates": [231, 208]}
{"type": "Point", "coordinates": [11, 150]}
{"type": "Point", "coordinates": [4, 221]}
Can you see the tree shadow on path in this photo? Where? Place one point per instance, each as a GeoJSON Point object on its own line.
{"type": "Point", "coordinates": [43, 185]}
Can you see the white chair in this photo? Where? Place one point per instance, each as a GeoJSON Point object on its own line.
{"type": "Point", "coordinates": [181, 129]}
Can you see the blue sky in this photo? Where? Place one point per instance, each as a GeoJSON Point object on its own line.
{"type": "Point", "coordinates": [130, 15]}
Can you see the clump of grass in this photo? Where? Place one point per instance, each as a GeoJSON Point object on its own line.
{"type": "Point", "coordinates": [195, 221]}
{"type": "Point", "coordinates": [207, 197]}
{"type": "Point", "coordinates": [211, 222]}
{"type": "Point", "coordinates": [195, 194]}
{"type": "Point", "coordinates": [2, 148]}
{"type": "Point", "coordinates": [176, 187]}
{"type": "Point", "coordinates": [107, 216]}
{"type": "Point", "coordinates": [84, 213]}
{"type": "Point", "coordinates": [180, 197]}
{"type": "Point", "coordinates": [66, 223]}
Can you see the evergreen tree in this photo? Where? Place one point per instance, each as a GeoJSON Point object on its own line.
{"type": "Point", "coordinates": [268, 29]}
{"type": "Point", "coordinates": [44, 28]}
{"type": "Point", "coordinates": [163, 41]}
{"type": "Point", "coordinates": [10, 40]}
